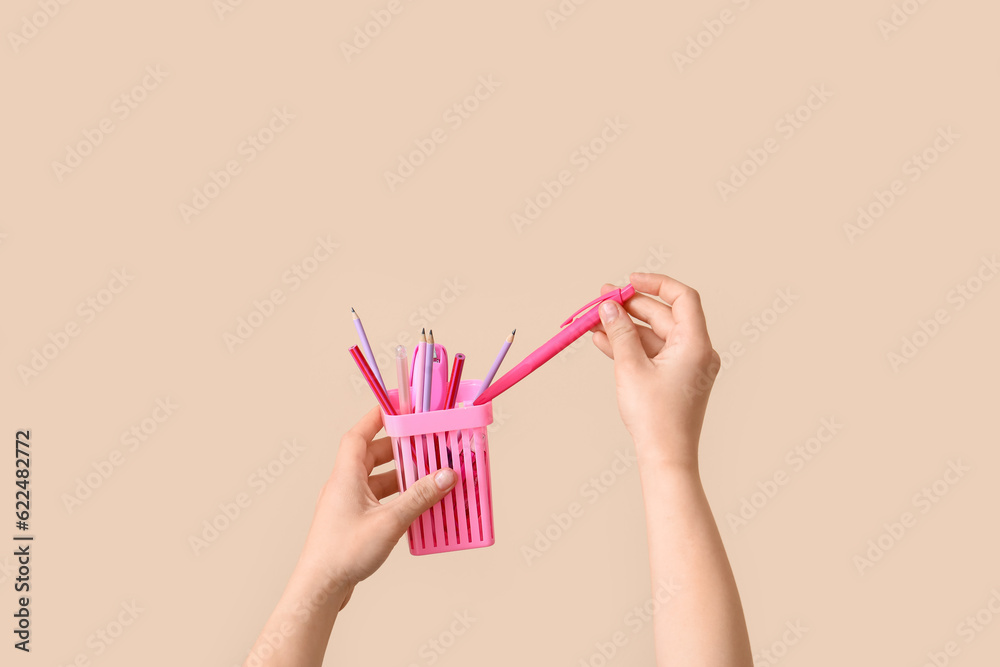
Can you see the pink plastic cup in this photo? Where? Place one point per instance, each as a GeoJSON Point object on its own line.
{"type": "Point", "coordinates": [425, 442]}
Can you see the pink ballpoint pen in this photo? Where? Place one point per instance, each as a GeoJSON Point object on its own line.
{"type": "Point", "coordinates": [577, 327]}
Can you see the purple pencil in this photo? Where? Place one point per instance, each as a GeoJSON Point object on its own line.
{"type": "Point", "coordinates": [428, 369]}
{"type": "Point", "coordinates": [496, 364]}
{"type": "Point", "coordinates": [367, 348]}
{"type": "Point", "coordinates": [417, 372]}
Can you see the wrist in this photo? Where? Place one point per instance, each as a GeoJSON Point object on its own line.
{"type": "Point", "coordinates": [669, 485]}
{"type": "Point", "coordinates": [302, 621]}
{"type": "Point", "coordinates": [673, 456]}
{"type": "Point", "coordinates": [318, 586]}
{"type": "Point", "coordinates": [317, 576]}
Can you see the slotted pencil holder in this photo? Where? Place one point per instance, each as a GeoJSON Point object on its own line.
{"type": "Point", "coordinates": [425, 442]}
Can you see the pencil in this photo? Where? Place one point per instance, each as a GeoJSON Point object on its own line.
{"type": "Point", "coordinates": [496, 364]}
{"type": "Point", "coordinates": [428, 370]}
{"type": "Point", "coordinates": [454, 381]}
{"type": "Point", "coordinates": [380, 395]}
{"type": "Point", "coordinates": [366, 346]}
{"type": "Point", "coordinates": [417, 386]}
{"type": "Point", "coordinates": [402, 381]}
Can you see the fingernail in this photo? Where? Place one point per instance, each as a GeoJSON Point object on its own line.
{"type": "Point", "coordinates": [609, 312]}
{"type": "Point", "coordinates": [444, 478]}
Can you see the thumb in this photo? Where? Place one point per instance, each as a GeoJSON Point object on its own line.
{"type": "Point", "coordinates": [421, 496]}
{"type": "Point", "coordinates": [625, 344]}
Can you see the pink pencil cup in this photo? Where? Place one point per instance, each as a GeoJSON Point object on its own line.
{"type": "Point", "coordinates": [425, 442]}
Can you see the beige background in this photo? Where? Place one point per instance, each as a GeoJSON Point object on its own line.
{"type": "Point", "coordinates": [650, 201]}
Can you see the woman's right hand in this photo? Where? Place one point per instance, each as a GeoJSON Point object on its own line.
{"type": "Point", "coordinates": [664, 372]}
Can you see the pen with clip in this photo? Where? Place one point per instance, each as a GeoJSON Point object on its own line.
{"type": "Point", "coordinates": [578, 323]}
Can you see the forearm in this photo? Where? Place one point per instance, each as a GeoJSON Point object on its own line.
{"type": "Point", "coordinates": [703, 623]}
{"type": "Point", "coordinates": [298, 631]}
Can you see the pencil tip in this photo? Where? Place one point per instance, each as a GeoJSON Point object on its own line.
{"type": "Point", "coordinates": [423, 330]}
{"type": "Point", "coordinates": [352, 309]}
{"type": "Point", "coordinates": [513, 332]}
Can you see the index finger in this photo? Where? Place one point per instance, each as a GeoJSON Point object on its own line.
{"type": "Point", "coordinates": [369, 425]}
{"type": "Point", "coordinates": [684, 301]}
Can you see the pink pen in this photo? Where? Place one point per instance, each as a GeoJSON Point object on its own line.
{"type": "Point", "coordinates": [577, 327]}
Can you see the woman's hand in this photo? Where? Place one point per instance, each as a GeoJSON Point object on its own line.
{"type": "Point", "coordinates": [663, 375]}
{"type": "Point", "coordinates": [664, 372]}
{"type": "Point", "coordinates": [352, 533]}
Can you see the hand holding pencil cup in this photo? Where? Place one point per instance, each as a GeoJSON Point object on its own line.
{"type": "Point", "coordinates": [436, 420]}
{"type": "Point", "coordinates": [432, 425]}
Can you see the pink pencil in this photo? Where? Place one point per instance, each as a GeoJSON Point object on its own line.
{"type": "Point", "coordinates": [380, 395]}
{"type": "Point", "coordinates": [454, 381]}
{"type": "Point", "coordinates": [402, 381]}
